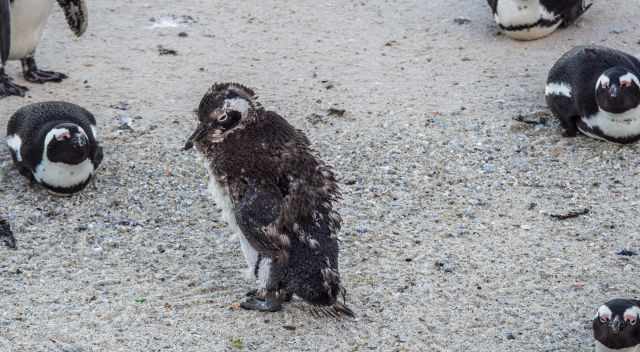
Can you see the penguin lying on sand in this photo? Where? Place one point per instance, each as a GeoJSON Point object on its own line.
{"type": "Point", "coordinates": [596, 90]}
{"type": "Point", "coordinates": [277, 196]}
{"type": "Point", "coordinates": [54, 144]}
{"type": "Point", "coordinates": [21, 25]}
{"type": "Point", "coordinates": [616, 326]}
{"type": "Point", "coordinates": [533, 19]}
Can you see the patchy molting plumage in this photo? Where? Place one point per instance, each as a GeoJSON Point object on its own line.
{"type": "Point", "coordinates": [276, 194]}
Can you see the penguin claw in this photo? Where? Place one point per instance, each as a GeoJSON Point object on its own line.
{"type": "Point", "coordinates": [261, 305]}
{"type": "Point", "coordinates": [8, 88]}
{"type": "Point", "coordinates": [40, 76]}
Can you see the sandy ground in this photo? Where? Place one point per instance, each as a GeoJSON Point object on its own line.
{"type": "Point", "coordinates": [448, 241]}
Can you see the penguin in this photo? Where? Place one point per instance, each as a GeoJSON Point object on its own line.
{"type": "Point", "coordinates": [6, 235]}
{"type": "Point", "coordinates": [616, 327]}
{"type": "Point", "coordinates": [596, 91]}
{"type": "Point", "coordinates": [534, 19]}
{"type": "Point", "coordinates": [277, 196]}
{"type": "Point", "coordinates": [54, 144]}
{"type": "Point", "coordinates": [21, 25]}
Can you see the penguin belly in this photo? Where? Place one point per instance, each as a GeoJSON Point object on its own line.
{"type": "Point", "coordinates": [221, 197]}
{"type": "Point", "coordinates": [28, 20]}
{"type": "Point", "coordinates": [512, 14]}
{"type": "Point", "coordinates": [618, 128]}
{"type": "Point", "coordinates": [61, 175]}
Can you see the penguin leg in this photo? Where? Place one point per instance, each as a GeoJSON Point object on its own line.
{"type": "Point", "coordinates": [268, 297]}
{"type": "Point", "coordinates": [33, 74]}
{"type": "Point", "coordinates": [8, 88]}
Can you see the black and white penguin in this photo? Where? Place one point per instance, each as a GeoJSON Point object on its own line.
{"type": "Point", "coordinates": [54, 144]}
{"type": "Point", "coordinates": [6, 235]}
{"type": "Point", "coordinates": [21, 25]}
{"type": "Point", "coordinates": [616, 327]}
{"type": "Point", "coordinates": [595, 90]}
{"type": "Point", "coordinates": [533, 19]}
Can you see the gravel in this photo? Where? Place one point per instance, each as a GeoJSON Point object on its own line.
{"type": "Point", "coordinates": [441, 248]}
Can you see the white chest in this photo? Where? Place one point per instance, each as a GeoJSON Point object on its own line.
{"type": "Point", "coordinates": [512, 13]}
{"type": "Point", "coordinates": [63, 175]}
{"type": "Point", "coordinates": [28, 20]}
{"type": "Point", "coordinates": [220, 195]}
{"type": "Point", "coordinates": [623, 125]}
{"type": "Point", "coordinates": [602, 348]}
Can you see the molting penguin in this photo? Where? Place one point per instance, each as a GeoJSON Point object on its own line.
{"type": "Point", "coordinates": [21, 25]}
{"type": "Point", "coordinates": [276, 195]}
{"type": "Point", "coordinates": [595, 90]}
{"type": "Point", "coordinates": [6, 235]}
{"type": "Point", "coordinates": [533, 19]}
{"type": "Point", "coordinates": [54, 144]}
{"type": "Point", "coordinates": [616, 326]}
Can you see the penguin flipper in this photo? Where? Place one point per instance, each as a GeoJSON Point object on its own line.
{"type": "Point", "coordinates": [572, 13]}
{"type": "Point", "coordinates": [494, 5]}
{"type": "Point", "coordinates": [258, 209]}
{"type": "Point", "coordinates": [5, 30]}
{"type": "Point", "coordinates": [76, 13]}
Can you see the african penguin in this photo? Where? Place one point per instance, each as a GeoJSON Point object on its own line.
{"type": "Point", "coordinates": [534, 19]}
{"type": "Point", "coordinates": [54, 144]}
{"type": "Point", "coordinates": [276, 195]}
{"type": "Point", "coordinates": [595, 90]}
{"type": "Point", "coordinates": [616, 328]}
{"type": "Point", "coordinates": [6, 235]}
{"type": "Point", "coordinates": [21, 25]}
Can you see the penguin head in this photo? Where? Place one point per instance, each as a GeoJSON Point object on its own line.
{"type": "Point", "coordinates": [67, 143]}
{"type": "Point", "coordinates": [617, 324]}
{"type": "Point", "coordinates": [618, 90]}
{"type": "Point", "coordinates": [223, 109]}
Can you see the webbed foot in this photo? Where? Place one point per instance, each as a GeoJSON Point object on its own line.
{"type": "Point", "coordinates": [33, 74]}
{"type": "Point", "coordinates": [8, 88]}
{"type": "Point", "coordinates": [267, 304]}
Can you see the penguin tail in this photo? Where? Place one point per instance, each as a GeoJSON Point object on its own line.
{"type": "Point", "coordinates": [337, 311]}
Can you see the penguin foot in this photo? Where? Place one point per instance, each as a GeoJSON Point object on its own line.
{"type": "Point", "coordinates": [33, 74]}
{"type": "Point", "coordinates": [40, 76]}
{"type": "Point", "coordinates": [287, 296]}
{"type": "Point", "coordinates": [266, 304]}
{"type": "Point", "coordinates": [8, 88]}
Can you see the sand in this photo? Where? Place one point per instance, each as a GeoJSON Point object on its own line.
{"type": "Point", "coordinates": [448, 242]}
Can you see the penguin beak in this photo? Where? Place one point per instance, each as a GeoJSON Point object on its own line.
{"type": "Point", "coordinates": [614, 91]}
{"type": "Point", "coordinates": [616, 325]}
{"type": "Point", "coordinates": [200, 131]}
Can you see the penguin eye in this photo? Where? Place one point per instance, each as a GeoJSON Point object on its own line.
{"type": "Point", "coordinates": [223, 118]}
{"type": "Point", "coordinates": [604, 319]}
{"type": "Point", "coordinates": [631, 320]}
{"type": "Point", "coordinates": [625, 84]}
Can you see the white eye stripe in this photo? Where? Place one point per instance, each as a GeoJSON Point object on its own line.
{"type": "Point", "coordinates": [603, 81]}
{"type": "Point", "coordinates": [604, 312]}
{"type": "Point", "coordinates": [629, 77]}
{"type": "Point", "coordinates": [237, 104]}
